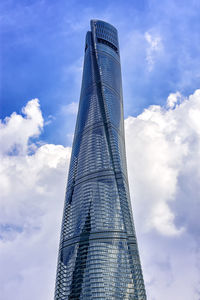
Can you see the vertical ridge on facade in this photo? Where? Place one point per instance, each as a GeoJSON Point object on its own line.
{"type": "Point", "coordinates": [98, 254]}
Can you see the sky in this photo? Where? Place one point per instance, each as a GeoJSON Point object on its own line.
{"type": "Point", "coordinates": [42, 52]}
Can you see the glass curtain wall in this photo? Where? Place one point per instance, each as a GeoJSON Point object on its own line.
{"type": "Point", "coordinates": [98, 254]}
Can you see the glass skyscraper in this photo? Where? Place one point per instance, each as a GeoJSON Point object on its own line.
{"type": "Point", "coordinates": [98, 254]}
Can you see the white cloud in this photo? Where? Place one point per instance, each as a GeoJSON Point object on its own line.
{"type": "Point", "coordinates": [164, 147]}
{"type": "Point", "coordinates": [16, 130]}
{"type": "Point", "coordinates": [49, 120]}
{"type": "Point", "coordinates": [71, 108]}
{"type": "Point", "coordinates": [163, 151]}
{"type": "Point", "coordinates": [173, 99]}
{"type": "Point", "coordinates": [154, 46]}
{"type": "Point", "coordinates": [32, 195]}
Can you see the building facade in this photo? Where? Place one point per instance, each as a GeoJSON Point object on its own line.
{"type": "Point", "coordinates": [98, 254]}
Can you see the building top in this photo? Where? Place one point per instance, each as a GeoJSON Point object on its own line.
{"type": "Point", "coordinates": [105, 32]}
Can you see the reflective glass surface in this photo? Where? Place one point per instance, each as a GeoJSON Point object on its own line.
{"type": "Point", "coordinates": [98, 254]}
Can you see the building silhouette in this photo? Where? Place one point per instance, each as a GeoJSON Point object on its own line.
{"type": "Point", "coordinates": [98, 254]}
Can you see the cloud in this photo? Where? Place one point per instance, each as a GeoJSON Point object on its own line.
{"type": "Point", "coordinates": [173, 99]}
{"type": "Point", "coordinates": [32, 194]}
{"type": "Point", "coordinates": [71, 108]}
{"type": "Point", "coordinates": [169, 140]}
{"type": "Point", "coordinates": [154, 46]}
{"type": "Point", "coordinates": [16, 130]}
{"type": "Point", "coordinates": [163, 151]}
{"type": "Point", "coordinates": [163, 162]}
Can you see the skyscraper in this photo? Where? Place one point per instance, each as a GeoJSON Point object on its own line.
{"type": "Point", "coordinates": [98, 255]}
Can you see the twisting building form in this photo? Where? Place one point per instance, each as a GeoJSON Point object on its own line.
{"type": "Point", "coordinates": [98, 254]}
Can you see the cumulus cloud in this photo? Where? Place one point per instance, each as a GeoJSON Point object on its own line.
{"type": "Point", "coordinates": [16, 130]}
{"type": "Point", "coordinates": [173, 99]}
{"type": "Point", "coordinates": [32, 193]}
{"type": "Point", "coordinates": [163, 150]}
{"type": "Point", "coordinates": [163, 153]}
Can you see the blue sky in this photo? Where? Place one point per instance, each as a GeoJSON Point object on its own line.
{"type": "Point", "coordinates": [42, 52]}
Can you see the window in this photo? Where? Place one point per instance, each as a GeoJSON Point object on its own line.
{"type": "Point", "coordinates": [102, 41]}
